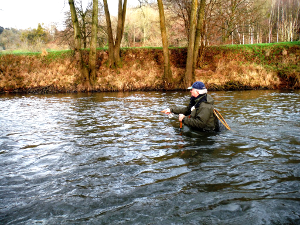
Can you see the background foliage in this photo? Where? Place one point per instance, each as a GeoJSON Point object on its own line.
{"type": "Point", "coordinates": [226, 22]}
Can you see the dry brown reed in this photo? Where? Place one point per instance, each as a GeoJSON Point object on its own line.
{"type": "Point", "coordinates": [44, 52]}
{"type": "Point", "coordinates": [142, 69]}
{"type": "Point", "coordinates": [132, 76]}
{"type": "Point", "coordinates": [29, 73]}
{"type": "Point", "coordinates": [235, 75]}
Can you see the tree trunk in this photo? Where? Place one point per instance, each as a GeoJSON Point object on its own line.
{"type": "Point", "coordinates": [167, 78]}
{"type": "Point", "coordinates": [270, 31]}
{"type": "Point", "coordinates": [93, 46]}
{"type": "Point", "coordinates": [84, 32]}
{"type": "Point", "coordinates": [120, 30]}
{"type": "Point", "coordinates": [199, 36]}
{"type": "Point", "coordinates": [188, 79]}
{"type": "Point", "coordinates": [77, 36]}
{"type": "Point", "coordinates": [114, 46]}
{"type": "Point", "coordinates": [111, 44]}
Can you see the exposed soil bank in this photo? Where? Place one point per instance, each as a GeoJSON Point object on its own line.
{"type": "Point", "coordinates": [239, 67]}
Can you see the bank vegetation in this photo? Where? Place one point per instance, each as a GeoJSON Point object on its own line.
{"type": "Point", "coordinates": [227, 67]}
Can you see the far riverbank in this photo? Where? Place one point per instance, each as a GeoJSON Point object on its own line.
{"type": "Point", "coordinates": [230, 67]}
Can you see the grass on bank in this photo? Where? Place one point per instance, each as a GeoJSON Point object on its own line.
{"type": "Point", "coordinates": [231, 47]}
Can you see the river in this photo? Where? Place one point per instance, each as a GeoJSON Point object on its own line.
{"type": "Point", "coordinates": [114, 158]}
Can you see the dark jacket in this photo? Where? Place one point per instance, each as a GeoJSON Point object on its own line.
{"type": "Point", "coordinates": [199, 113]}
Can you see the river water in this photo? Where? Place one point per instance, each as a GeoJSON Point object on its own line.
{"type": "Point", "coordinates": [114, 158]}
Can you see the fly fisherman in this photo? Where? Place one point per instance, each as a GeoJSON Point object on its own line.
{"type": "Point", "coordinates": [199, 113]}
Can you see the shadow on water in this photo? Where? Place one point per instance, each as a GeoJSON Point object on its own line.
{"type": "Point", "coordinates": [114, 158]}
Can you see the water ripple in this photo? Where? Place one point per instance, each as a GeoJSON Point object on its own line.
{"type": "Point", "coordinates": [113, 158]}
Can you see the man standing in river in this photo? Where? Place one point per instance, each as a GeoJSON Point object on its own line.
{"type": "Point", "coordinates": [199, 113]}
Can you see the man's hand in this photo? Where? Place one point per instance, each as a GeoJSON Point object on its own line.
{"type": "Point", "coordinates": [166, 111]}
{"type": "Point", "coordinates": [181, 116]}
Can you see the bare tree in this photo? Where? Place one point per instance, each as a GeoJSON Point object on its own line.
{"type": "Point", "coordinates": [84, 14]}
{"type": "Point", "coordinates": [188, 79]}
{"type": "Point", "coordinates": [88, 72]}
{"type": "Point", "coordinates": [182, 10]}
{"type": "Point", "coordinates": [93, 46]}
{"type": "Point", "coordinates": [114, 45]}
{"type": "Point", "coordinates": [199, 35]}
{"type": "Point", "coordinates": [287, 22]}
{"type": "Point", "coordinates": [167, 69]}
{"type": "Point", "coordinates": [77, 47]}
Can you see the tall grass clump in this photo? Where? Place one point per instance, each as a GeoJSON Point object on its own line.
{"type": "Point", "coordinates": [234, 75]}
{"type": "Point", "coordinates": [32, 73]}
{"type": "Point", "coordinates": [253, 66]}
{"type": "Point", "coordinates": [139, 71]}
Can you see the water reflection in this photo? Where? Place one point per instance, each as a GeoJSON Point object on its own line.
{"type": "Point", "coordinates": [113, 158]}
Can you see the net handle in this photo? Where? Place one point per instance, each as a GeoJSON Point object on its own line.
{"type": "Point", "coordinates": [220, 117]}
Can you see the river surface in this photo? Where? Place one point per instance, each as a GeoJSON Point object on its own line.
{"type": "Point", "coordinates": [114, 158]}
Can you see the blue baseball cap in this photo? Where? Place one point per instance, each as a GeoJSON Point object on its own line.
{"type": "Point", "coordinates": [198, 85]}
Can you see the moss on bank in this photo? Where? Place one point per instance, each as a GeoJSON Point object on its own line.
{"type": "Point", "coordinates": [229, 67]}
